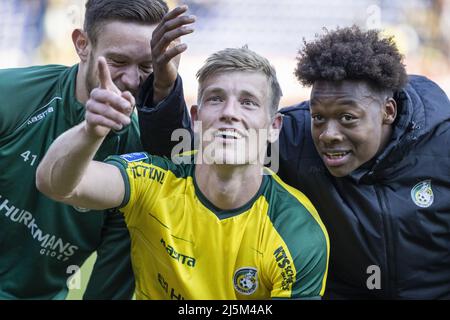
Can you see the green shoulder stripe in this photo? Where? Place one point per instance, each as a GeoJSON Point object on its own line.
{"type": "Point", "coordinates": [298, 223]}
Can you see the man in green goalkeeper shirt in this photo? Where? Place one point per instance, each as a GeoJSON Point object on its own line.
{"type": "Point", "coordinates": [42, 242]}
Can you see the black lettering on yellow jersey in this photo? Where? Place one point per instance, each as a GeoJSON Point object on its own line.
{"type": "Point", "coordinates": [183, 247]}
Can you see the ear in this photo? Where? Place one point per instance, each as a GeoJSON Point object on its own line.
{"type": "Point", "coordinates": [194, 117]}
{"type": "Point", "coordinates": [275, 127]}
{"type": "Point", "coordinates": [81, 43]}
{"type": "Point", "coordinates": [389, 111]}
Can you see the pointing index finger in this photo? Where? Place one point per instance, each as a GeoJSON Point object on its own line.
{"type": "Point", "coordinates": [104, 76]}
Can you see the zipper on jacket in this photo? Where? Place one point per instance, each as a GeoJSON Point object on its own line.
{"type": "Point", "coordinates": [388, 242]}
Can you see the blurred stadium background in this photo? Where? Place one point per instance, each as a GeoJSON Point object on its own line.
{"type": "Point", "coordinates": [39, 32]}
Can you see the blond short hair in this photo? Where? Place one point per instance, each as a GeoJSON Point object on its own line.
{"type": "Point", "coordinates": [241, 59]}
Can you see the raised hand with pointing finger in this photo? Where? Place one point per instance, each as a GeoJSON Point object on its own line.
{"type": "Point", "coordinates": [108, 107]}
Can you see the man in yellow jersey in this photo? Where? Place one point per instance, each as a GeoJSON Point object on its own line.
{"type": "Point", "coordinates": [217, 228]}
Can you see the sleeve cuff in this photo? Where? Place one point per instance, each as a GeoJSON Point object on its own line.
{"type": "Point", "coordinates": [145, 97]}
{"type": "Point", "coordinates": [122, 169]}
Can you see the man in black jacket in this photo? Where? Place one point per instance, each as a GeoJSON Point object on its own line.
{"type": "Point", "coordinates": [371, 150]}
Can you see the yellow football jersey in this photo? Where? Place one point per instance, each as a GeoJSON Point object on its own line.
{"type": "Point", "coordinates": [183, 247]}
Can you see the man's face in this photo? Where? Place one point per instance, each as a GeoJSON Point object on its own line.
{"type": "Point", "coordinates": [235, 117]}
{"type": "Point", "coordinates": [126, 48]}
{"type": "Point", "coordinates": [347, 124]}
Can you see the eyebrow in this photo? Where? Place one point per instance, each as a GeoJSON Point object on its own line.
{"type": "Point", "coordinates": [117, 55]}
{"type": "Point", "coordinates": [351, 102]}
{"type": "Point", "coordinates": [213, 90]}
{"type": "Point", "coordinates": [244, 93]}
{"type": "Point", "coordinates": [220, 90]}
{"type": "Point", "coordinates": [342, 101]}
{"type": "Point", "coordinates": [248, 93]}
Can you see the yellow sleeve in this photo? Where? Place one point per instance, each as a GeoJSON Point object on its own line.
{"type": "Point", "coordinates": [144, 177]}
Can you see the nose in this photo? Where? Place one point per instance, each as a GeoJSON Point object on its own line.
{"type": "Point", "coordinates": [230, 110]}
{"type": "Point", "coordinates": [131, 79]}
{"type": "Point", "coordinates": [331, 133]}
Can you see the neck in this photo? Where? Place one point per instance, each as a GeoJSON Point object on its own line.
{"type": "Point", "coordinates": [81, 91]}
{"type": "Point", "coordinates": [228, 187]}
{"type": "Point", "coordinates": [386, 137]}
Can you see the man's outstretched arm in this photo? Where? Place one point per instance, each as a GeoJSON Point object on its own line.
{"type": "Point", "coordinates": [67, 173]}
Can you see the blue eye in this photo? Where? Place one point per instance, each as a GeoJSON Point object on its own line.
{"type": "Point", "coordinates": [214, 99]}
{"type": "Point", "coordinates": [249, 103]}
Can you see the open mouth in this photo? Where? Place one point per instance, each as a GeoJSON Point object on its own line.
{"type": "Point", "coordinates": [334, 159]}
{"type": "Point", "coordinates": [230, 134]}
{"type": "Point", "coordinates": [336, 155]}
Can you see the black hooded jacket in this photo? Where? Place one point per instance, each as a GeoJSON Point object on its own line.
{"type": "Point", "coordinates": [374, 224]}
{"type": "Point", "coordinates": [389, 220]}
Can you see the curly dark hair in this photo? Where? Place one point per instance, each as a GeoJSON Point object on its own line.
{"type": "Point", "coordinates": [352, 54]}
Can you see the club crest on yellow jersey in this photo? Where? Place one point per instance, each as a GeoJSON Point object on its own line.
{"type": "Point", "coordinates": [246, 280]}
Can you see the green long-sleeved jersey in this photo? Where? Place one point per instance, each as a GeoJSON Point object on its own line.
{"type": "Point", "coordinates": [42, 241]}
